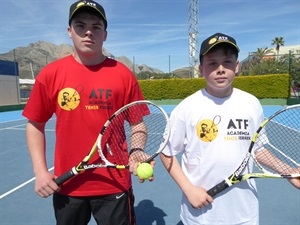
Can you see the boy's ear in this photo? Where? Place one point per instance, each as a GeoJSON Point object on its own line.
{"type": "Point", "coordinates": [69, 32]}
{"type": "Point", "coordinates": [237, 67]}
{"type": "Point", "coordinates": [200, 71]}
{"type": "Point", "coordinates": [105, 36]}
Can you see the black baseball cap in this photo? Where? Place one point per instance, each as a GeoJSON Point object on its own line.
{"type": "Point", "coordinates": [216, 39]}
{"type": "Point", "coordinates": [88, 5]}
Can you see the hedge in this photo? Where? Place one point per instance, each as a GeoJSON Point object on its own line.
{"type": "Point", "coordinates": [266, 86]}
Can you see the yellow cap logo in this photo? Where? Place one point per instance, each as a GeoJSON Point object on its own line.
{"type": "Point", "coordinates": [211, 41]}
{"type": "Point", "coordinates": [79, 4]}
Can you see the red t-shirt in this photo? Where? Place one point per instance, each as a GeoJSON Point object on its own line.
{"type": "Point", "coordinates": [83, 98]}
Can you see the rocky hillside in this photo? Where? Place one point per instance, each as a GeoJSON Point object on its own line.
{"type": "Point", "coordinates": [35, 56]}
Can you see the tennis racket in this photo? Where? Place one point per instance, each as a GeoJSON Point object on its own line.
{"type": "Point", "coordinates": [137, 132]}
{"type": "Point", "coordinates": [274, 148]}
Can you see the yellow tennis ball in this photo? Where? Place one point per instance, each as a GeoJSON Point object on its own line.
{"type": "Point", "coordinates": [144, 171]}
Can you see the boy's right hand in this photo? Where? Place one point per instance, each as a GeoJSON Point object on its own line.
{"type": "Point", "coordinates": [198, 197]}
{"type": "Point", "coordinates": [45, 185]}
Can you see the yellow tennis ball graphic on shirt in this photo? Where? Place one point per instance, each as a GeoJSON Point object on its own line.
{"type": "Point", "coordinates": [144, 171]}
{"type": "Point", "coordinates": [68, 99]}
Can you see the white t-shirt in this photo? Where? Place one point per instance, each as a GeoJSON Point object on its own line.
{"type": "Point", "coordinates": [213, 135]}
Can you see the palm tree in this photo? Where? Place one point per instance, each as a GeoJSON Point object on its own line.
{"type": "Point", "coordinates": [278, 41]}
{"type": "Point", "coordinates": [261, 53]}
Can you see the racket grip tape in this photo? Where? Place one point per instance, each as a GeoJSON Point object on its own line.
{"type": "Point", "coordinates": [218, 188]}
{"type": "Point", "coordinates": [66, 176]}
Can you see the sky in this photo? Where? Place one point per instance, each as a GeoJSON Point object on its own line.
{"type": "Point", "coordinates": [155, 32]}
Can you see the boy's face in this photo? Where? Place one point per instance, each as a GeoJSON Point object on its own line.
{"type": "Point", "coordinates": [87, 32]}
{"type": "Point", "coordinates": [219, 67]}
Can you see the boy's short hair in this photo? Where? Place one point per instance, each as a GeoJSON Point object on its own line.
{"type": "Point", "coordinates": [88, 5]}
{"type": "Point", "coordinates": [217, 39]}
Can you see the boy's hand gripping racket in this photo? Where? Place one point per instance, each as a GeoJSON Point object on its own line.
{"type": "Point", "coordinates": [275, 149]}
{"type": "Point", "coordinates": [137, 132]}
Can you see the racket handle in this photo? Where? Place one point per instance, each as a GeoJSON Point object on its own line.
{"type": "Point", "coordinates": [66, 176]}
{"type": "Point", "coordinates": [218, 188]}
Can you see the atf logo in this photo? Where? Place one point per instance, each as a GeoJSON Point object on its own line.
{"type": "Point", "coordinates": [68, 99]}
{"type": "Point", "coordinates": [207, 129]}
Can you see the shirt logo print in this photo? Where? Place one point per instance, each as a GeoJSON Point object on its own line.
{"type": "Point", "coordinates": [207, 129]}
{"type": "Point", "coordinates": [69, 98]}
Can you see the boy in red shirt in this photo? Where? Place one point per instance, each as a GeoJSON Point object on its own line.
{"type": "Point", "coordinates": [82, 90]}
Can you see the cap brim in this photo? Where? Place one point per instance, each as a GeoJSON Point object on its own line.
{"type": "Point", "coordinates": [86, 7]}
{"type": "Point", "coordinates": [221, 42]}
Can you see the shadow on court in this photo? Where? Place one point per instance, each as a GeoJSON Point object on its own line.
{"type": "Point", "coordinates": [147, 213]}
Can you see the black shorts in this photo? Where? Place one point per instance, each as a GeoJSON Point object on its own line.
{"type": "Point", "coordinates": [116, 209]}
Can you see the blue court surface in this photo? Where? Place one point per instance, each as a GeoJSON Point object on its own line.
{"type": "Point", "coordinates": [156, 203]}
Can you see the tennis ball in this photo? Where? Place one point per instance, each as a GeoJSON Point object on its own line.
{"type": "Point", "coordinates": [144, 171]}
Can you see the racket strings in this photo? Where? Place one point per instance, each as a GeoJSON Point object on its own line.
{"type": "Point", "coordinates": [113, 142]}
{"type": "Point", "coordinates": [150, 133]}
{"type": "Point", "coordinates": [278, 144]}
{"type": "Point", "coordinates": [140, 127]}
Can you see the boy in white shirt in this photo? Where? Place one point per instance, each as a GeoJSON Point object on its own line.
{"type": "Point", "coordinates": [212, 128]}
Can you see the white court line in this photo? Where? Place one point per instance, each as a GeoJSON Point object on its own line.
{"type": "Point", "coordinates": [24, 129]}
{"type": "Point", "coordinates": [18, 187]}
{"type": "Point", "coordinates": [15, 127]}
{"type": "Point", "coordinates": [9, 121]}
{"type": "Point", "coordinates": [12, 127]}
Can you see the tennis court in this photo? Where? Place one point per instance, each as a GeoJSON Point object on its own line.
{"type": "Point", "coordinates": [284, 146]}
{"type": "Point", "coordinates": [156, 203]}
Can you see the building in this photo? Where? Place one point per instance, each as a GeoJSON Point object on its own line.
{"type": "Point", "coordinates": [9, 83]}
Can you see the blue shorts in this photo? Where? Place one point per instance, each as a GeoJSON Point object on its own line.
{"type": "Point", "coordinates": [116, 209]}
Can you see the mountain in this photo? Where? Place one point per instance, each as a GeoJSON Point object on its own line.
{"type": "Point", "coordinates": [35, 56]}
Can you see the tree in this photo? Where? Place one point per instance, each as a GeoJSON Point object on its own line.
{"type": "Point", "coordinates": [278, 41]}
{"type": "Point", "coordinates": [260, 54]}
{"type": "Point", "coordinates": [269, 67]}
{"type": "Point", "coordinates": [286, 64]}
